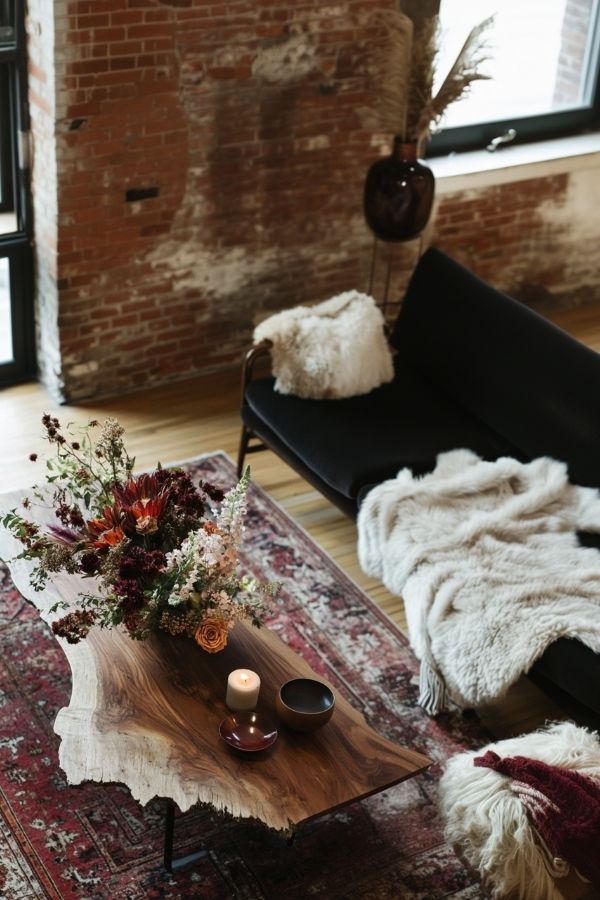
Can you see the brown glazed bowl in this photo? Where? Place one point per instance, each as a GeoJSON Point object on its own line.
{"type": "Point", "coordinates": [248, 731]}
{"type": "Point", "coordinates": [304, 704]}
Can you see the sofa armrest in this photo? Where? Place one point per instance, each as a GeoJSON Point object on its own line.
{"type": "Point", "coordinates": [255, 353]}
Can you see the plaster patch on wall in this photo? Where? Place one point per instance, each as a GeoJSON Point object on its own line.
{"type": "Point", "coordinates": [318, 142]}
{"type": "Point", "coordinates": [212, 272]}
{"type": "Point", "coordinates": [572, 216]}
{"type": "Point", "coordinates": [285, 61]}
{"type": "Point", "coordinates": [574, 210]}
{"type": "Point", "coordinates": [334, 12]}
{"type": "Point", "coordinates": [225, 274]}
{"type": "Point", "coordinates": [369, 120]}
{"type": "Point", "coordinates": [232, 56]}
{"type": "Point", "coordinates": [83, 369]}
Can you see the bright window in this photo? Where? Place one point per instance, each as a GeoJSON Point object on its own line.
{"type": "Point", "coordinates": [6, 350]}
{"type": "Point", "coordinates": [543, 62]}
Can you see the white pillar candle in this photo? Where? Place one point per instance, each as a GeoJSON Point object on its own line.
{"type": "Point", "coordinates": [243, 686]}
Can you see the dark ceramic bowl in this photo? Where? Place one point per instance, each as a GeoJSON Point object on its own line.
{"type": "Point", "coordinates": [248, 731]}
{"type": "Point", "coordinates": [304, 704]}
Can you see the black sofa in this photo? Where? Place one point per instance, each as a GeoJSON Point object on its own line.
{"type": "Point", "coordinates": [474, 368]}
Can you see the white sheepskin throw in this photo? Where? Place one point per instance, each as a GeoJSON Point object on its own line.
{"type": "Point", "coordinates": [332, 350]}
{"type": "Point", "coordinates": [487, 822]}
{"type": "Point", "coordinates": [486, 557]}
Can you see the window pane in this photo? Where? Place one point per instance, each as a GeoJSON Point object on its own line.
{"type": "Point", "coordinates": [7, 206]}
{"type": "Point", "coordinates": [7, 21]}
{"type": "Point", "coordinates": [540, 57]}
{"type": "Point", "coordinates": [6, 347]}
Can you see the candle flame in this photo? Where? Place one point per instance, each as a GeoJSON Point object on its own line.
{"type": "Point", "coordinates": [244, 678]}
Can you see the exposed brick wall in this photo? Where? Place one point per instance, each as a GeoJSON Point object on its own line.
{"type": "Point", "coordinates": [250, 124]}
{"type": "Point", "coordinates": [536, 239]}
{"type": "Point", "coordinates": [574, 39]}
{"type": "Point", "coordinates": [501, 235]}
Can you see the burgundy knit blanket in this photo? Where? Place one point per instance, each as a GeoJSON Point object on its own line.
{"type": "Point", "coordinates": [563, 805]}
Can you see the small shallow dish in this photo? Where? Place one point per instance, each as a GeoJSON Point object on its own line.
{"type": "Point", "coordinates": [248, 731]}
{"type": "Point", "coordinates": [304, 704]}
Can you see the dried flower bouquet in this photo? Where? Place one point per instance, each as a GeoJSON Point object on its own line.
{"type": "Point", "coordinates": [161, 557]}
{"type": "Point", "coordinates": [404, 68]}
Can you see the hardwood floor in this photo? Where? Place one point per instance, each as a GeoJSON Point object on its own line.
{"type": "Point", "coordinates": [182, 420]}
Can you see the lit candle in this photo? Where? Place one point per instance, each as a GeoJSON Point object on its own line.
{"type": "Point", "coordinates": [243, 686]}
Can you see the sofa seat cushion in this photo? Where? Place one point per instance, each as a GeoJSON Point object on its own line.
{"type": "Point", "coordinates": [361, 440]}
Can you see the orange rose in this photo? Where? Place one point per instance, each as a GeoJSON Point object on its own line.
{"type": "Point", "coordinates": [211, 634]}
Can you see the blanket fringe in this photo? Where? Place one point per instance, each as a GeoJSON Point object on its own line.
{"type": "Point", "coordinates": [432, 696]}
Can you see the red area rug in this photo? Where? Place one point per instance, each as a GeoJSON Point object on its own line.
{"type": "Point", "coordinates": [94, 841]}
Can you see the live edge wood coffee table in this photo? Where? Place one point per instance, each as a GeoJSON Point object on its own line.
{"type": "Point", "coordinates": [147, 714]}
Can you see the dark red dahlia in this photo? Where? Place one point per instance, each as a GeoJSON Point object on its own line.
{"type": "Point", "coordinates": [141, 564]}
{"type": "Point", "coordinates": [90, 563]}
{"type": "Point", "coordinates": [74, 626]}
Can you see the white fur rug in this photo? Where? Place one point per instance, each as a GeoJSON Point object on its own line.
{"type": "Point", "coordinates": [486, 558]}
{"type": "Point", "coordinates": [486, 819]}
{"type": "Point", "coordinates": [332, 350]}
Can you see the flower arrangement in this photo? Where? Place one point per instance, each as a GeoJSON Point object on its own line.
{"type": "Point", "coordinates": [163, 559]}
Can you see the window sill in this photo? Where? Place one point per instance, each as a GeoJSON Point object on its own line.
{"type": "Point", "coordinates": [479, 168]}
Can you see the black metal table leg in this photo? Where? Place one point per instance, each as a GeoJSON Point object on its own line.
{"type": "Point", "coordinates": [169, 829]}
{"type": "Point", "coordinates": [169, 862]}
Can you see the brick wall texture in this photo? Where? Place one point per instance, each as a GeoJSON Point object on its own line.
{"type": "Point", "coordinates": [574, 39]}
{"type": "Point", "coordinates": [198, 164]}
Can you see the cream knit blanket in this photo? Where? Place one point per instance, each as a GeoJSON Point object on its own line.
{"type": "Point", "coordinates": [486, 557]}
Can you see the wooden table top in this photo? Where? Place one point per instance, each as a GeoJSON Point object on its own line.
{"type": "Point", "coordinates": [147, 714]}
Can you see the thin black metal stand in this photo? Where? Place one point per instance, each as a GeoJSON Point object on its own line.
{"type": "Point", "coordinates": [169, 862]}
{"type": "Point", "coordinates": [388, 272]}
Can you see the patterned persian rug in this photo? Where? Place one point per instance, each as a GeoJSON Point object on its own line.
{"type": "Point", "coordinates": [94, 841]}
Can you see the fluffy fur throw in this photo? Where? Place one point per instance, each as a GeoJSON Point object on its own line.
{"type": "Point", "coordinates": [487, 818]}
{"type": "Point", "coordinates": [332, 350]}
{"type": "Point", "coordinates": [486, 557]}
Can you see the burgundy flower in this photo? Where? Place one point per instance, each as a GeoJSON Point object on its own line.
{"type": "Point", "coordinates": [140, 489]}
{"type": "Point", "coordinates": [213, 492]}
{"type": "Point", "coordinates": [130, 594]}
{"type": "Point", "coordinates": [75, 518]}
{"type": "Point", "coordinates": [140, 503]}
{"type": "Point", "coordinates": [181, 490]}
{"type": "Point", "coordinates": [74, 626]}
{"type": "Point", "coordinates": [33, 457]}
{"type": "Point", "coordinates": [90, 563]}
{"type": "Point", "coordinates": [62, 512]}
{"type": "Point", "coordinates": [138, 563]}
{"type": "Point", "coordinates": [132, 621]}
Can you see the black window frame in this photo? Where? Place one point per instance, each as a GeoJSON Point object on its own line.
{"type": "Point", "coordinates": [16, 246]}
{"type": "Point", "coordinates": [7, 203]}
{"type": "Point", "coordinates": [562, 123]}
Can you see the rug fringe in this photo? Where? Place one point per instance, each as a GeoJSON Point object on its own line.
{"type": "Point", "coordinates": [432, 696]}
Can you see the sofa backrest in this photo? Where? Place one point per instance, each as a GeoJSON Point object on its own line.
{"type": "Point", "coordinates": [524, 377]}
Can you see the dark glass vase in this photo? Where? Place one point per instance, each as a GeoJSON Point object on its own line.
{"type": "Point", "coordinates": [398, 194]}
